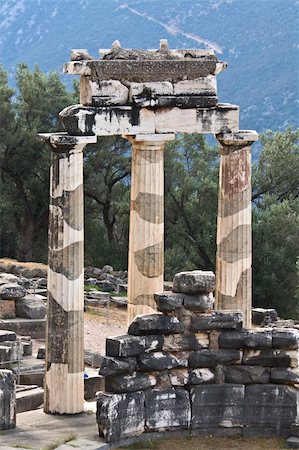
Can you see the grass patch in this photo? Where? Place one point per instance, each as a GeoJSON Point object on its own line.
{"type": "Point", "coordinates": [69, 437]}
{"type": "Point", "coordinates": [146, 445]}
{"type": "Point", "coordinates": [22, 446]}
{"type": "Point", "coordinates": [92, 287]}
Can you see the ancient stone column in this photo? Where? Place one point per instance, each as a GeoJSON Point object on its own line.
{"type": "Point", "coordinates": [234, 252]}
{"type": "Point", "coordinates": [64, 382]}
{"type": "Point", "coordinates": [146, 241]}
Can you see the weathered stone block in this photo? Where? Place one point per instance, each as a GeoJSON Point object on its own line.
{"type": "Point", "coordinates": [271, 358]}
{"type": "Point", "coordinates": [167, 409]}
{"type": "Point", "coordinates": [7, 309]}
{"type": "Point", "coordinates": [160, 361]}
{"type": "Point", "coordinates": [41, 354]}
{"type": "Point", "coordinates": [136, 381]}
{"type": "Point", "coordinates": [29, 307]}
{"type": "Point", "coordinates": [179, 377]}
{"type": "Point", "coordinates": [284, 375]}
{"type": "Point", "coordinates": [217, 320]}
{"type": "Point", "coordinates": [5, 354]}
{"type": "Point", "coordinates": [6, 335]}
{"type": "Point", "coordinates": [116, 366]}
{"type": "Point", "coordinates": [208, 358]}
{"type": "Point", "coordinates": [285, 338]}
{"type": "Point", "coordinates": [196, 87]}
{"type": "Point", "coordinates": [11, 291]}
{"type": "Point", "coordinates": [199, 302]}
{"type": "Point", "coordinates": [270, 405]}
{"type": "Point", "coordinates": [240, 374]}
{"type": "Point", "coordinates": [93, 359]}
{"type": "Point", "coordinates": [7, 400]}
{"type": "Point", "coordinates": [120, 416]}
{"type": "Point", "coordinates": [133, 345]}
{"type": "Point", "coordinates": [217, 405]}
{"type": "Point", "coordinates": [201, 376]}
{"type": "Point", "coordinates": [92, 385]}
{"type": "Point", "coordinates": [262, 316]}
{"type": "Point", "coordinates": [181, 342]}
{"type": "Point", "coordinates": [150, 89]}
{"type": "Point", "coordinates": [155, 324]}
{"type": "Point", "coordinates": [168, 301]}
{"type": "Point", "coordinates": [194, 282]}
{"type": "Point", "coordinates": [246, 339]}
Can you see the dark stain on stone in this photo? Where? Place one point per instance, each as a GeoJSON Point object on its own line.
{"type": "Point", "coordinates": [234, 301]}
{"type": "Point", "coordinates": [149, 207]}
{"type": "Point", "coordinates": [67, 261]}
{"type": "Point", "coordinates": [135, 116]}
{"type": "Point", "coordinates": [234, 203]}
{"type": "Point", "coordinates": [69, 202]}
{"type": "Point", "coordinates": [237, 245]}
{"type": "Point", "coordinates": [150, 260]}
{"type": "Point", "coordinates": [145, 300]}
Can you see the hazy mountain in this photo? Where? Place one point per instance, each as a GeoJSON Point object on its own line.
{"type": "Point", "coordinates": [258, 39]}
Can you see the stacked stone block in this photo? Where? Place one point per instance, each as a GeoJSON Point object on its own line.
{"type": "Point", "coordinates": [195, 368]}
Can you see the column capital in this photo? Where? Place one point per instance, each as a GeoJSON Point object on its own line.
{"type": "Point", "coordinates": [151, 139]}
{"type": "Point", "coordinates": [62, 141]}
{"type": "Point", "coordinates": [239, 138]}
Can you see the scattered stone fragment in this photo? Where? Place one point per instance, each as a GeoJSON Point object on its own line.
{"type": "Point", "coordinates": [93, 359]}
{"type": "Point", "coordinates": [240, 374]}
{"type": "Point", "coordinates": [8, 400]}
{"type": "Point", "coordinates": [261, 316]}
{"type": "Point", "coordinates": [271, 358]}
{"type": "Point", "coordinates": [256, 338]}
{"type": "Point", "coordinates": [208, 358]}
{"type": "Point", "coordinates": [285, 375]}
{"type": "Point", "coordinates": [5, 354]}
{"type": "Point", "coordinates": [167, 409]}
{"type": "Point", "coordinates": [285, 338]}
{"type": "Point", "coordinates": [116, 366]}
{"type": "Point", "coordinates": [160, 361]}
{"type": "Point", "coordinates": [120, 416]}
{"type": "Point", "coordinates": [133, 345]}
{"type": "Point", "coordinates": [155, 323]}
{"type": "Point", "coordinates": [29, 398]}
{"type": "Point", "coordinates": [11, 291]}
{"type": "Point", "coordinates": [216, 405]}
{"type": "Point", "coordinates": [136, 381]}
{"type": "Point", "coordinates": [293, 442]}
{"type": "Point", "coordinates": [6, 335]}
{"type": "Point", "coordinates": [30, 307]}
{"type": "Point", "coordinates": [217, 320]}
{"type": "Point", "coordinates": [201, 376]}
{"type": "Point", "coordinates": [194, 282]}
{"type": "Point", "coordinates": [41, 354]}
{"type": "Point", "coordinates": [270, 405]}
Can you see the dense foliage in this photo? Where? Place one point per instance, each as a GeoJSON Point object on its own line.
{"type": "Point", "coordinates": [191, 184]}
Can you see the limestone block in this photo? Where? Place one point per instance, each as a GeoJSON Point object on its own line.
{"type": "Point", "coordinates": [7, 400]}
{"type": "Point", "coordinates": [167, 409]}
{"type": "Point", "coordinates": [93, 359]}
{"type": "Point", "coordinates": [201, 376]}
{"type": "Point", "coordinates": [199, 302]}
{"type": "Point", "coordinates": [11, 291]}
{"type": "Point", "coordinates": [171, 301]}
{"type": "Point", "coordinates": [270, 405]}
{"type": "Point", "coordinates": [256, 338]}
{"type": "Point", "coordinates": [29, 398]}
{"type": "Point", "coordinates": [133, 345]}
{"type": "Point", "coordinates": [160, 361]}
{"type": "Point", "coordinates": [285, 375]}
{"type": "Point", "coordinates": [271, 358]}
{"type": "Point", "coordinates": [198, 86]}
{"type": "Point", "coordinates": [5, 354]}
{"type": "Point", "coordinates": [209, 358]}
{"type": "Point", "coordinates": [213, 120]}
{"type": "Point", "coordinates": [194, 282]}
{"type": "Point", "coordinates": [217, 405]}
{"type": "Point", "coordinates": [150, 89]}
{"type": "Point", "coordinates": [6, 335]}
{"type": "Point", "coordinates": [7, 309]}
{"type": "Point", "coordinates": [116, 366]}
{"type": "Point", "coordinates": [120, 415]}
{"type": "Point", "coordinates": [155, 324]}
{"type": "Point", "coordinates": [240, 374]}
{"type": "Point", "coordinates": [30, 307]}
{"type": "Point", "coordinates": [110, 92]}
{"type": "Point", "coordinates": [285, 338]}
{"type": "Point", "coordinates": [182, 342]}
{"type": "Point", "coordinates": [217, 320]}
{"type": "Point", "coordinates": [179, 377]}
{"type": "Point", "coordinates": [88, 120]}
{"type": "Point", "coordinates": [137, 381]}
{"type": "Point", "coordinates": [168, 301]}
{"type": "Point", "coordinates": [263, 316]}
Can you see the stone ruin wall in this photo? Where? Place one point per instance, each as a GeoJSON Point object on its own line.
{"type": "Point", "coordinates": [193, 368]}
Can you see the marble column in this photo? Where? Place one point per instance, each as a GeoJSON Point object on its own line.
{"type": "Point", "coordinates": [234, 248]}
{"type": "Point", "coordinates": [146, 240]}
{"type": "Point", "coordinates": [64, 382]}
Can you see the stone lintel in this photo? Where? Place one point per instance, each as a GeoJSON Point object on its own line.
{"type": "Point", "coordinates": [82, 120]}
{"type": "Point", "coordinates": [151, 138]}
{"type": "Point", "coordinates": [63, 140]}
{"type": "Point", "coordinates": [238, 137]}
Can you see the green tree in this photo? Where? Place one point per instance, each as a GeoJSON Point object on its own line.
{"type": "Point", "coordinates": [24, 160]}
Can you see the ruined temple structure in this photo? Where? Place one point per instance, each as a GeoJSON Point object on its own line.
{"type": "Point", "coordinates": [147, 97]}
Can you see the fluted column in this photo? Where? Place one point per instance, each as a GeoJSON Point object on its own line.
{"type": "Point", "coordinates": [146, 240]}
{"type": "Point", "coordinates": [234, 248]}
{"type": "Point", "coordinates": [64, 382]}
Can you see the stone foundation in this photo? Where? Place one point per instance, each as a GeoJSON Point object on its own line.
{"type": "Point", "coordinates": [193, 368]}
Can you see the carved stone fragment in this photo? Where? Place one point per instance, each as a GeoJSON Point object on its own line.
{"type": "Point", "coordinates": [116, 366]}
{"type": "Point", "coordinates": [136, 381]}
{"type": "Point", "coordinates": [194, 282]}
{"type": "Point", "coordinates": [217, 320]}
{"type": "Point", "coordinates": [133, 345]}
{"type": "Point", "coordinates": [155, 323]}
